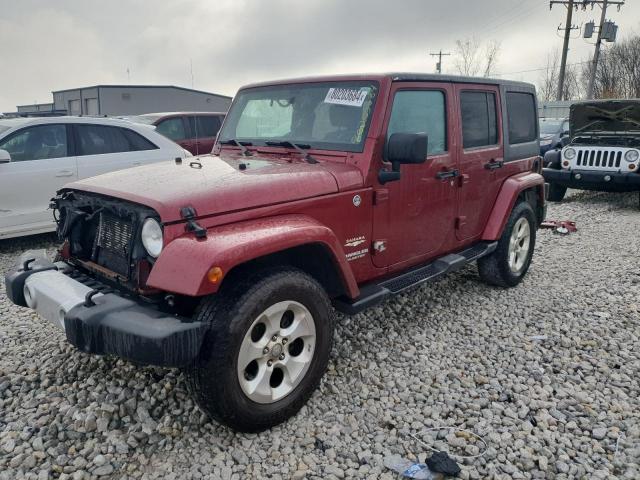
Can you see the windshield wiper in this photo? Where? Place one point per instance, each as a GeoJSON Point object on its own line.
{"type": "Point", "coordinates": [243, 148]}
{"type": "Point", "coordinates": [297, 146]}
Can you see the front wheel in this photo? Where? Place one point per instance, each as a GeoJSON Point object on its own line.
{"type": "Point", "coordinates": [508, 264]}
{"type": "Point", "coordinates": [266, 351]}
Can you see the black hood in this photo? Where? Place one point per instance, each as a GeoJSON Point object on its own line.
{"type": "Point", "coordinates": [605, 116]}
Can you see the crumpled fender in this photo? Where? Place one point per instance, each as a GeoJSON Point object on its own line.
{"type": "Point", "coordinates": [507, 197]}
{"type": "Point", "coordinates": [183, 264]}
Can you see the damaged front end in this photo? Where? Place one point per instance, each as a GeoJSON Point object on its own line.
{"type": "Point", "coordinates": [96, 292]}
{"type": "Point", "coordinates": [102, 235]}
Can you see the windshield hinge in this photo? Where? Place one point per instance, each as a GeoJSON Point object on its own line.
{"type": "Point", "coordinates": [189, 214]}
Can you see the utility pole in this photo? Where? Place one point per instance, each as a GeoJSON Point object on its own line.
{"type": "Point", "coordinates": [596, 54]}
{"type": "Point", "coordinates": [571, 4]}
{"type": "Point", "coordinates": [440, 55]}
{"type": "Point", "coordinates": [565, 51]}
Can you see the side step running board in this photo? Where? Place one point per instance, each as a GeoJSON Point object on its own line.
{"type": "Point", "coordinates": [375, 293]}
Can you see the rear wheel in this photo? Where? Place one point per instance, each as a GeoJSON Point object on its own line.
{"type": "Point", "coordinates": [509, 263]}
{"type": "Point", "coordinates": [266, 351]}
{"type": "Point", "coordinates": [556, 192]}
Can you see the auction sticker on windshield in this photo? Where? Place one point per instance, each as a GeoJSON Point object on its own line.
{"type": "Point", "coordinates": [347, 96]}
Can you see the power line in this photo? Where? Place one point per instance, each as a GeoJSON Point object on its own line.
{"type": "Point", "coordinates": [536, 69]}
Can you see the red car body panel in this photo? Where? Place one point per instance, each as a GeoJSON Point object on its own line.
{"type": "Point", "coordinates": [183, 268]}
{"type": "Point", "coordinates": [217, 185]}
{"type": "Point", "coordinates": [507, 199]}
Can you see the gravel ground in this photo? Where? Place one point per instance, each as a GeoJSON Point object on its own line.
{"type": "Point", "coordinates": [546, 373]}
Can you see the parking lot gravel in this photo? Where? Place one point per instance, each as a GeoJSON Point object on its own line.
{"type": "Point", "coordinates": [547, 374]}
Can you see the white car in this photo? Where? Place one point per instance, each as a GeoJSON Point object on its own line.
{"type": "Point", "coordinates": [40, 155]}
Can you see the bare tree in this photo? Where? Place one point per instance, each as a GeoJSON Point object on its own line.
{"type": "Point", "coordinates": [474, 57]}
{"type": "Point", "coordinates": [491, 53]}
{"type": "Point", "coordinates": [548, 84]}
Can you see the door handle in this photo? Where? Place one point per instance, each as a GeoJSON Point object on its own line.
{"type": "Point", "coordinates": [494, 164]}
{"type": "Point", "coordinates": [447, 174]}
{"type": "Point", "coordinates": [64, 173]}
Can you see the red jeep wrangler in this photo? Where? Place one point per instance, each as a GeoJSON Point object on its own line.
{"type": "Point", "coordinates": [336, 191]}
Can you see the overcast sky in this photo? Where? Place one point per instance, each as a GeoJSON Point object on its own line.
{"type": "Point", "coordinates": [56, 44]}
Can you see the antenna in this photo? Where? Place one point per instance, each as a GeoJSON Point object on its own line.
{"type": "Point", "coordinates": [191, 68]}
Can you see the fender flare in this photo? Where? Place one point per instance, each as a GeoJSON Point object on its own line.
{"type": "Point", "coordinates": [183, 264]}
{"type": "Point", "coordinates": [506, 200]}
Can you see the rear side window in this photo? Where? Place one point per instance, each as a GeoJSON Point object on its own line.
{"type": "Point", "coordinates": [479, 120]}
{"type": "Point", "coordinates": [172, 128]}
{"type": "Point", "coordinates": [420, 111]}
{"type": "Point", "coordinates": [101, 139]}
{"type": "Point", "coordinates": [137, 142]}
{"type": "Point", "coordinates": [203, 126]}
{"type": "Point", "coordinates": [521, 116]}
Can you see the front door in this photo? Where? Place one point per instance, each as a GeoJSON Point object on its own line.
{"type": "Point", "coordinates": [480, 152]}
{"type": "Point", "coordinates": [421, 205]}
{"type": "Point", "coordinates": [39, 166]}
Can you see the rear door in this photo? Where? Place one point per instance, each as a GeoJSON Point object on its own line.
{"type": "Point", "coordinates": [481, 157]}
{"type": "Point", "coordinates": [105, 148]}
{"type": "Point", "coordinates": [41, 163]}
{"type": "Point", "coordinates": [177, 129]}
{"type": "Point", "coordinates": [421, 205]}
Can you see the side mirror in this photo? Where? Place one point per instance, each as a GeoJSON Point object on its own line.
{"type": "Point", "coordinates": [407, 148]}
{"type": "Point", "coordinates": [5, 157]}
{"type": "Point", "coordinates": [403, 148]}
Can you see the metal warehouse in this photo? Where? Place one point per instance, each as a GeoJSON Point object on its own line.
{"type": "Point", "coordinates": [137, 99]}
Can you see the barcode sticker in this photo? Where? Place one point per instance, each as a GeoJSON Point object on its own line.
{"type": "Point", "coordinates": [347, 96]}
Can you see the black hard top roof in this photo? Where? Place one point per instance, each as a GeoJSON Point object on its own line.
{"type": "Point", "coordinates": [400, 77]}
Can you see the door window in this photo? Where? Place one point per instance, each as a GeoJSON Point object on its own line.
{"type": "Point", "coordinates": [100, 139]}
{"type": "Point", "coordinates": [37, 143]}
{"type": "Point", "coordinates": [204, 126]}
{"type": "Point", "coordinates": [521, 113]}
{"type": "Point", "coordinates": [479, 120]}
{"type": "Point", "coordinates": [172, 128]}
{"type": "Point", "coordinates": [420, 111]}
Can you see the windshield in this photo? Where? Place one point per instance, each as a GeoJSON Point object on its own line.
{"type": "Point", "coordinates": [550, 127]}
{"type": "Point", "coordinates": [325, 116]}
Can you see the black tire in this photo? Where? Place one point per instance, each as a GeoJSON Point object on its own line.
{"type": "Point", "coordinates": [213, 379]}
{"type": "Point", "coordinates": [494, 268]}
{"type": "Point", "coordinates": [556, 192]}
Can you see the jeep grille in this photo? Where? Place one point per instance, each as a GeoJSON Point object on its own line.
{"type": "Point", "coordinates": [598, 158]}
{"type": "Point", "coordinates": [113, 242]}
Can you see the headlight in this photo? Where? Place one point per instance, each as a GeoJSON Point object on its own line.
{"type": "Point", "coordinates": [569, 153]}
{"type": "Point", "coordinates": [631, 156]}
{"type": "Point", "coordinates": [152, 237]}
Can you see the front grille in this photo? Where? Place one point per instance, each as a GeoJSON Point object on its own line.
{"type": "Point", "coordinates": [598, 158]}
{"type": "Point", "coordinates": [113, 242]}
